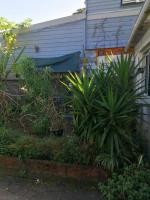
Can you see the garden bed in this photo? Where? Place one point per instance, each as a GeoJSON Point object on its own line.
{"type": "Point", "coordinates": [47, 168]}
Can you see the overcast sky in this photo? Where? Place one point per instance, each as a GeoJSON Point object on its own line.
{"type": "Point", "coordinates": [38, 10]}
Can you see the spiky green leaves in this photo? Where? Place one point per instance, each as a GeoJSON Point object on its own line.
{"type": "Point", "coordinates": [105, 109]}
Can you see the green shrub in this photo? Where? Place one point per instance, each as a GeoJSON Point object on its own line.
{"type": "Point", "coordinates": [132, 184]}
{"type": "Point", "coordinates": [8, 136]}
{"type": "Point", "coordinates": [105, 110]}
{"type": "Point", "coordinates": [38, 110]}
{"type": "Point", "coordinates": [41, 126]}
{"type": "Point", "coordinates": [29, 147]}
{"type": "Point", "coordinates": [14, 143]}
{"type": "Point", "coordinates": [75, 152]}
{"type": "Point", "coordinates": [70, 153]}
{"type": "Point", "coordinates": [67, 150]}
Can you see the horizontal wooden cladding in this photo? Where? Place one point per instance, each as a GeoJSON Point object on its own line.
{"type": "Point", "coordinates": [109, 33]}
{"type": "Point", "coordinates": [54, 41]}
{"type": "Point", "coordinates": [94, 6]}
{"type": "Point", "coordinates": [113, 51]}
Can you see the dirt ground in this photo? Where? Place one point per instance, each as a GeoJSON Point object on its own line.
{"type": "Point", "coordinates": [14, 188]}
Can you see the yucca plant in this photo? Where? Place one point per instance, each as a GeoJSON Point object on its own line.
{"type": "Point", "coordinates": [82, 88]}
{"type": "Point", "coordinates": [105, 109]}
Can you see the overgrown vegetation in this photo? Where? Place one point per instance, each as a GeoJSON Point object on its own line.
{"type": "Point", "coordinates": [105, 110]}
{"type": "Point", "coordinates": [132, 183]}
{"type": "Point", "coordinates": [10, 54]}
{"type": "Point", "coordinates": [59, 149]}
{"type": "Point", "coordinates": [105, 105]}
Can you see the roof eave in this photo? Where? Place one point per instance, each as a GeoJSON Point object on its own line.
{"type": "Point", "coordinates": [59, 21]}
{"type": "Point", "coordinates": [139, 23]}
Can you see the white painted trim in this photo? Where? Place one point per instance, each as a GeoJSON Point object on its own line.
{"type": "Point", "coordinates": [138, 22]}
{"type": "Point", "coordinates": [56, 22]}
{"type": "Point", "coordinates": [143, 44]}
{"type": "Point", "coordinates": [116, 13]}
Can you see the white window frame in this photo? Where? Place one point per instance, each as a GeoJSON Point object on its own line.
{"type": "Point", "coordinates": [126, 2]}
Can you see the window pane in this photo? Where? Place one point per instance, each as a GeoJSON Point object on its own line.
{"type": "Point", "coordinates": [149, 75]}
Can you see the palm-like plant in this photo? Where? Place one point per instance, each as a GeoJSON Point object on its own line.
{"type": "Point", "coordinates": [82, 99]}
{"type": "Point", "coordinates": [105, 109]}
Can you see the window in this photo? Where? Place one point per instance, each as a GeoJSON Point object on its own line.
{"type": "Point", "coordinates": [147, 74]}
{"type": "Point", "coordinates": [125, 2]}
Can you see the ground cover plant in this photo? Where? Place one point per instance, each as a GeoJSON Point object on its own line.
{"type": "Point", "coordinates": [67, 149]}
{"type": "Point", "coordinates": [133, 182]}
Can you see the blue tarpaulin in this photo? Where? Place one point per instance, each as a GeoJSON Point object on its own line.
{"type": "Point", "coordinates": [67, 63]}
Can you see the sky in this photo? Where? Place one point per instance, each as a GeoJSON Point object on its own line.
{"type": "Point", "coordinates": [38, 10]}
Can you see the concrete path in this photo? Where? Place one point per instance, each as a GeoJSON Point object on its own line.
{"type": "Point", "coordinates": [23, 189]}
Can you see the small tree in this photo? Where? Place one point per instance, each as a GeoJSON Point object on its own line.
{"type": "Point", "coordinates": [8, 47]}
{"type": "Point", "coordinates": [9, 57]}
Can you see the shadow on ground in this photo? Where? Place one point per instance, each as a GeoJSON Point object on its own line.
{"type": "Point", "coordinates": [14, 188]}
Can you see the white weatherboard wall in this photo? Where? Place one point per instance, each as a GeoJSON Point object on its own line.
{"type": "Point", "coordinates": [109, 32]}
{"type": "Point", "coordinates": [54, 40]}
{"type": "Point", "coordinates": [141, 49]}
{"type": "Point", "coordinates": [109, 24]}
{"type": "Point", "coordinates": [95, 6]}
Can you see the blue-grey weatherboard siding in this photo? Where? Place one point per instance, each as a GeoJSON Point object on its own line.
{"type": "Point", "coordinates": [109, 32]}
{"type": "Point", "coordinates": [54, 41]}
{"type": "Point", "coordinates": [96, 6]}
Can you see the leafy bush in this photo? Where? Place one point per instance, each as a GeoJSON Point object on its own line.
{"type": "Point", "coordinates": [10, 55]}
{"type": "Point", "coordinates": [132, 184]}
{"type": "Point", "coordinates": [41, 126]}
{"type": "Point", "coordinates": [75, 152]}
{"type": "Point", "coordinates": [36, 82]}
{"type": "Point", "coordinates": [24, 146]}
{"type": "Point", "coordinates": [28, 147]}
{"type": "Point", "coordinates": [105, 110]}
{"type": "Point", "coordinates": [38, 109]}
{"type": "Point", "coordinates": [70, 152]}
{"type": "Point", "coordinates": [62, 150]}
{"type": "Point", "coordinates": [8, 136]}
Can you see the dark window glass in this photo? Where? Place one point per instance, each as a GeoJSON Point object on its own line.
{"type": "Point", "coordinates": [147, 75]}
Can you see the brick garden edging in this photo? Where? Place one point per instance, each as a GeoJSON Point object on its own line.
{"type": "Point", "coordinates": [48, 168]}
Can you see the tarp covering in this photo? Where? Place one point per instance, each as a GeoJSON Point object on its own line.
{"type": "Point", "coordinates": [67, 63]}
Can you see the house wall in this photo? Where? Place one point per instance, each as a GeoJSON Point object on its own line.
{"type": "Point", "coordinates": [143, 44]}
{"type": "Point", "coordinates": [141, 49]}
{"type": "Point", "coordinates": [95, 6]}
{"type": "Point", "coordinates": [54, 40]}
{"type": "Point", "coordinates": [109, 32]}
{"type": "Point", "coordinates": [106, 25]}
{"type": "Point", "coordinates": [109, 24]}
